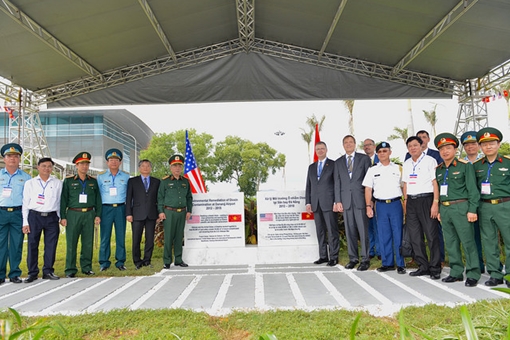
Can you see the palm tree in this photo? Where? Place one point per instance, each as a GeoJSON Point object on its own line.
{"type": "Point", "coordinates": [431, 118]}
{"type": "Point", "coordinates": [399, 134]}
{"type": "Point", "coordinates": [308, 134]}
{"type": "Point", "coordinates": [349, 104]}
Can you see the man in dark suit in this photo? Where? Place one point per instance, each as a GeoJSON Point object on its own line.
{"type": "Point", "coordinates": [350, 170]}
{"type": "Point", "coordinates": [373, 238]}
{"type": "Point", "coordinates": [142, 211]}
{"type": "Point", "coordinates": [319, 198]}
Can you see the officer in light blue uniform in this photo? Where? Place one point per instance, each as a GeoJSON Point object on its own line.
{"type": "Point", "coordinates": [113, 187]}
{"type": "Point", "coordinates": [12, 182]}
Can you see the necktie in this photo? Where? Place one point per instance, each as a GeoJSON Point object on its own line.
{"type": "Point", "coordinates": [146, 184]}
{"type": "Point", "coordinates": [320, 168]}
{"type": "Point", "coordinates": [349, 163]}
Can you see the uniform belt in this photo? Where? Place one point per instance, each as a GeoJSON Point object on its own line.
{"type": "Point", "coordinates": [9, 209]}
{"type": "Point", "coordinates": [447, 203]}
{"type": "Point", "coordinates": [43, 214]}
{"type": "Point", "coordinates": [388, 200]}
{"type": "Point", "coordinates": [114, 204]}
{"type": "Point", "coordinates": [497, 200]}
{"type": "Point", "coordinates": [81, 209]}
{"type": "Point", "coordinates": [175, 209]}
{"type": "Point", "coordinates": [413, 197]}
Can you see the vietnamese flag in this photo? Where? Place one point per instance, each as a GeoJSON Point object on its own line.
{"type": "Point", "coordinates": [306, 216]}
{"type": "Point", "coordinates": [317, 140]}
{"type": "Point", "coordinates": [234, 218]}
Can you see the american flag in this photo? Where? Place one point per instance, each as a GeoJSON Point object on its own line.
{"type": "Point", "coordinates": [191, 171]}
{"type": "Point", "coordinates": [266, 217]}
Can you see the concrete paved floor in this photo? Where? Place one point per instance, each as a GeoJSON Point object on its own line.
{"type": "Point", "coordinates": [218, 290]}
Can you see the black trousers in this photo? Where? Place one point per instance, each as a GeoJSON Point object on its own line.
{"type": "Point", "coordinates": [49, 224]}
{"type": "Point", "coordinates": [138, 227]}
{"type": "Point", "coordinates": [419, 223]}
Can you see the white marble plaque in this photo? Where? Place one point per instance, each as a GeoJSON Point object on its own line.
{"type": "Point", "coordinates": [217, 221]}
{"type": "Point", "coordinates": [283, 220]}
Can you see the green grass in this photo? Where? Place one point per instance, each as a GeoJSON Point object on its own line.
{"type": "Point", "coordinates": [490, 320]}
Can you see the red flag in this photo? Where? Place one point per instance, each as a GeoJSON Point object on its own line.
{"type": "Point", "coordinates": [9, 110]}
{"type": "Point", "coordinates": [191, 170]}
{"type": "Point", "coordinates": [306, 216]}
{"type": "Point", "coordinates": [234, 218]}
{"type": "Point", "coordinates": [317, 140]}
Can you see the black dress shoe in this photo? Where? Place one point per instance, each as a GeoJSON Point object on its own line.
{"type": "Point", "coordinates": [419, 272]}
{"type": "Point", "coordinates": [182, 264]}
{"type": "Point", "coordinates": [507, 283]}
{"type": "Point", "coordinates": [30, 278]}
{"type": "Point", "coordinates": [363, 266]}
{"type": "Point", "coordinates": [103, 269]}
{"type": "Point", "coordinates": [401, 270]}
{"type": "Point", "coordinates": [450, 278]}
{"type": "Point", "coordinates": [471, 282]}
{"type": "Point", "coordinates": [435, 276]}
{"type": "Point", "coordinates": [138, 266]}
{"type": "Point", "coordinates": [493, 282]}
{"type": "Point", "coordinates": [332, 263]}
{"type": "Point", "coordinates": [121, 268]}
{"type": "Point", "coordinates": [383, 269]}
{"type": "Point", "coordinates": [351, 264]}
{"type": "Point", "coordinates": [2, 281]}
{"type": "Point", "coordinates": [50, 276]}
{"type": "Point", "coordinates": [90, 272]}
{"type": "Point", "coordinates": [15, 279]}
{"type": "Point", "coordinates": [166, 266]}
{"type": "Point", "coordinates": [146, 264]}
{"type": "Point", "coordinates": [70, 276]}
{"type": "Point", "coordinates": [320, 261]}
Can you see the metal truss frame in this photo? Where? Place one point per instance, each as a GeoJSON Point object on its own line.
{"type": "Point", "coordinates": [456, 13]}
{"type": "Point", "coordinates": [139, 71]}
{"type": "Point", "coordinates": [332, 27]}
{"type": "Point", "coordinates": [25, 128]}
{"type": "Point", "coordinates": [155, 23]}
{"type": "Point", "coordinates": [37, 30]}
{"type": "Point", "coordinates": [245, 10]}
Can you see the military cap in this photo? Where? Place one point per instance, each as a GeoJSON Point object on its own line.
{"type": "Point", "coordinates": [489, 134]}
{"type": "Point", "coordinates": [446, 138]}
{"type": "Point", "coordinates": [468, 137]}
{"type": "Point", "coordinates": [113, 153]}
{"type": "Point", "coordinates": [82, 157]}
{"type": "Point", "coordinates": [176, 159]}
{"type": "Point", "coordinates": [11, 148]}
{"type": "Point", "coordinates": [382, 145]}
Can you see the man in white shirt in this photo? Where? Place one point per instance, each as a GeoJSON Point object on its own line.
{"type": "Point", "coordinates": [384, 179]}
{"type": "Point", "coordinates": [421, 201]}
{"type": "Point", "coordinates": [41, 204]}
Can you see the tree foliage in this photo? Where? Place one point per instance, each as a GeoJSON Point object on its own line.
{"type": "Point", "coordinates": [349, 104]}
{"type": "Point", "coordinates": [164, 145]}
{"type": "Point", "coordinates": [399, 134]}
{"type": "Point", "coordinates": [307, 134]}
{"type": "Point", "coordinates": [431, 117]}
{"type": "Point", "coordinates": [246, 163]}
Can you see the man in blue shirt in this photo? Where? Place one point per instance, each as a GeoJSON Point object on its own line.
{"type": "Point", "coordinates": [113, 187]}
{"type": "Point", "coordinates": [12, 182]}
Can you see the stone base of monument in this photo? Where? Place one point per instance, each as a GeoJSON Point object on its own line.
{"type": "Point", "coordinates": [251, 254]}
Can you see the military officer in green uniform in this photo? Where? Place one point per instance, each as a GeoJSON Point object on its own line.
{"type": "Point", "coordinates": [459, 198]}
{"type": "Point", "coordinates": [80, 208]}
{"type": "Point", "coordinates": [174, 205]}
{"type": "Point", "coordinates": [493, 180]}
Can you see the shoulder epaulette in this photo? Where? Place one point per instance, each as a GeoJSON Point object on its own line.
{"type": "Point", "coordinates": [462, 160]}
{"type": "Point", "coordinates": [478, 160]}
{"type": "Point", "coordinates": [70, 176]}
{"type": "Point", "coordinates": [127, 173]}
{"type": "Point", "coordinates": [167, 176]}
{"type": "Point", "coordinates": [439, 165]}
{"type": "Point", "coordinates": [507, 156]}
{"type": "Point", "coordinates": [102, 172]}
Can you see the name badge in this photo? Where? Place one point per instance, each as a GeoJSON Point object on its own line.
{"type": "Point", "coordinates": [7, 192]}
{"type": "Point", "coordinates": [486, 189]}
{"type": "Point", "coordinates": [444, 190]}
{"type": "Point", "coordinates": [412, 178]}
{"type": "Point", "coordinates": [113, 191]}
{"type": "Point", "coordinates": [83, 198]}
{"type": "Point", "coordinates": [40, 199]}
